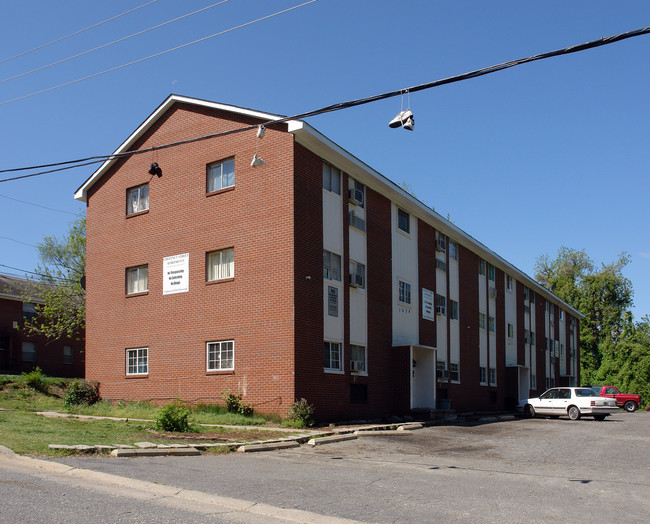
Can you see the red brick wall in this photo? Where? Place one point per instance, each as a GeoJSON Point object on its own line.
{"type": "Point", "coordinates": [255, 309]}
{"type": "Point", "coordinates": [427, 279]}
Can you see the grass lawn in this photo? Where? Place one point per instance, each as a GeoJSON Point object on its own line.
{"type": "Point", "coordinates": [25, 432]}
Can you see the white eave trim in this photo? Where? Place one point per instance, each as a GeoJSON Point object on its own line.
{"type": "Point", "coordinates": [82, 193]}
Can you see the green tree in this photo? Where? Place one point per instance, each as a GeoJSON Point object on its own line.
{"type": "Point", "coordinates": [60, 285]}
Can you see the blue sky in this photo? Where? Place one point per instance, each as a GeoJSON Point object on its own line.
{"type": "Point", "coordinates": [526, 160]}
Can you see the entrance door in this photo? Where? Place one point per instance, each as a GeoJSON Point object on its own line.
{"type": "Point", "coordinates": [524, 385]}
{"type": "Point", "coordinates": [423, 377]}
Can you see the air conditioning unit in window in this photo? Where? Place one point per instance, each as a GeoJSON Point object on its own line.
{"type": "Point", "coordinates": [355, 196]}
{"type": "Point", "coordinates": [356, 280]}
{"type": "Point", "coordinates": [441, 244]}
{"type": "Point", "coordinates": [493, 292]}
{"type": "Point", "coordinates": [357, 366]}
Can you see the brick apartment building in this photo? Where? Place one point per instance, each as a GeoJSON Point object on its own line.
{"type": "Point", "coordinates": [20, 352]}
{"type": "Point", "coordinates": [311, 276]}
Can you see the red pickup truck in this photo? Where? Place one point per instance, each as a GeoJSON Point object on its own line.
{"type": "Point", "coordinates": [627, 401]}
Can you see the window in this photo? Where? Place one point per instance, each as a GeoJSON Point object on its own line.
{"type": "Point", "coordinates": [453, 250]}
{"type": "Point", "coordinates": [532, 338]}
{"type": "Point", "coordinates": [441, 305]}
{"type": "Point", "coordinates": [481, 267]}
{"type": "Point", "coordinates": [221, 264]}
{"type": "Point", "coordinates": [525, 293]}
{"type": "Point", "coordinates": [137, 361]}
{"type": "Point", "coordinates": [29, 352]}
{"type": "Point", "coordinates": [358, 358]}
{"type": "Point", "coordinates": [404, 292]}
{"type": "Point", "coordinates": [332, 179]}
{"type": "Point", "coordinates": [483, 375]}
{"type": "Point", "coordinates": [454, 373]}
{"type": "Point", "coordinates": [357, 274]}
{"type": "Point", "coordinates": [481, 320]}
{"type": "Point", "coordinates": [492, 325]}
{"type": "Point", "coordinates": [137, 199]}
{"type": "Point", "coordinates": [221, 175]}
{"type": "Point", "coordinates": [441, 242]}
{"type": "Point", "coordinates": [441, 264]}
{"type": "Point", "coordinates": [509, 283]}
{"type": "Point", "coordinates": [29, 310]}
{"type": "Point", "coordinates": [356, 193]}
{"type": "Point", "coordinates": [356, 221]}
{"type": "Point", "coordinates": [561, 314]}
{"type": "Point", "coordinates": [453, 309]}
{"type": "Point", "coordinates": [490, 272]}
{"type": "Point", "coordinates": [493, 376]}
{"type": "Point", "coordinates": [221, 355]}
{"type": "Point", "coordinates": [137, 279]}
{"type": "Point", "coordinates": [511, 330]}
{"type": "Point", "coordinates": [67, 354]}
{"type": "Point", "coordinates": [441, 370]}
{"type": "Point", "coordinates": [403, 220]}
{"type": "Point", "coordinates": [531, 296]}
{"type": "Point", "coordinates": [331, 266]}
{"type": "Point", "coordinates": [332, 356]}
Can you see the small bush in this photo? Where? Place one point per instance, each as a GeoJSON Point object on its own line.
{"type": "Point", "coordinates": [301, 414]}
{"type": "Point", "coordinates": [173, 417]}
{"type": "Point", "coordinates": [82, 392]}
{"type": "Point", "coordinates": [234, 404]}
{"type": "Point", "coordinates": [36, 380]}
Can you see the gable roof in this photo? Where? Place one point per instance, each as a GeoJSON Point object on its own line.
{"type": "Point", "coordinates": [313, 140]}
{"type": "Point", "coordinates": [16, 288]}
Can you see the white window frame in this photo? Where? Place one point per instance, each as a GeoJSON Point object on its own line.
{"type": "Point", "coordinates": [328, 171]}
{"type": "Point", "coordinates": [329, 346]}
{"type": "Point", "coordinates": [454, 369]}
{"type": "Point", "coordinates": [483, 379]}
{"type": "Point", "coordinates": [133, 286]}
{"type": "Point", "coordinates": [453, 309]}
{"type": "Point", "coordinates": [453, 250]}
{"type": "Point", "coordinates": [220, 264]}
{"type": "Point", "coordinates": [136, 358]}
{"type": "Point", "coordinates": [354, 186]}
{"type": "Point", "coordinates": [404, 292]}
{"type": "Point", "coordinates": [491, 272]}
{"type": "Point", "coordinates": [441, 305]}
{"type": "Point", "coordinates": [364, 351]}
{"type": "Point", "coordinates": [220, 175]}
{"type": "Point", "coordinates": [223, 355]}
{"type": "Point", "coordinates": [509, 283]}
{"type": "Point", "coordinates": [403, 219]}
{"type": "Point", "coordinates": [68, 355]}
{"type": "Point", "coordinates": [493, 376]}
{"type": "Point", "coordinates": [492, 324]}
{"type": "Point", "coordinates": [331, 265]}
{"type": "Point", "coordinates": [28, 352]}
{"type": "Point", "coordinates": [481, 267]}
{"type": "Point", "coordinates": [137, 199]}
{"type": "Point", "coordinates": [482, 321]}
{"type": "Point", "coordinates": [358, 274]}
{"type": "Point", "coordinates": [510, 330]}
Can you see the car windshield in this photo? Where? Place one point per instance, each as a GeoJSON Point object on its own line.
{"type": "Point", "coordinates": [585, 392]}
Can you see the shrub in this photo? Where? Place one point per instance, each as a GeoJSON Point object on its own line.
{"type": "Point", "coordinates": [173, 417]}
{"type": "Point", "coordinates": [36, 380]}
{"type": "Point", "coordinates": [234, 404]}
{"type": "Point", "coordinates": [82, 392]}
{"type": "Point", "coordinates": [301, 414]}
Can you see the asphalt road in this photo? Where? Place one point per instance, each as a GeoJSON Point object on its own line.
{"type": "Point", "coordinates": [535, 470]}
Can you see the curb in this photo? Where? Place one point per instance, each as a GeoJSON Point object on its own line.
{"type": "Point", "coordinates": [330, 439]}
{"type": "Point", "coordinates": [247, 448]}
{"type": "Point", "coordinates": [382, 433]}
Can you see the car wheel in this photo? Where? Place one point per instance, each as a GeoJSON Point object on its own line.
{"type": "Point", "coordinates": [573, 412]}
{"type": "Point", "coordinates": [529, 411]}
{"type": "Point", "coordinates": [630, 406]}
{"type": "Point", "coordinates": [599, 418]}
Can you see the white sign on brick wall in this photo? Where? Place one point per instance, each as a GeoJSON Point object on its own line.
{"type": "Point", "coordinates": [427, 305]}
{"type": "Point", "coordinates": [176, 274]}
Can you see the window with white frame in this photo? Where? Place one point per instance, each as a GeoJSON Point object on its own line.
{"type": "Point", "coordinates": [453, 310]}
{"type": "Point", "coordinates": [332, 357]}
{"type": "Point", "coordinates": [483, 375]}
{"type": "Point", "coordinates": [481, 321]}
{"type": "Point", "coordinates": [137, 279]}
{"type": "Point", "coordinates": [490, 269]}
{"type": "Point", "coordinates": [531, 296]}
{"type": "Point", "coordinates": [357, 274]}
{"type": "Point", "coordinates": [137, 361]}
{"type": "Point", "coordinates": [403, 220]}
{"type": "Point", "coordinates": [332, 179]}
{"type": "Point", "coordinates": [509, 282]}
{"type": "Point", "coordinates": [493, 376]}
{"type": "Point", "coordinates": [561, 314]}
{"type": "Point", "coordinates": [454, 373]}
{"type": "Point", "coordinates": [220, 264]}
{"type": "Point", "coordinates": [441, 264]}
{"type": "Point", "coordinates": [358, 358]}
{"type": "Point", "coordinates": [221, 175]}
{"type": "Point", "coordinates": [481, 267]}
{"type": "Point", "coordinates": [511, 330]}
{"type": "Point", "coordinates": [29, 310]}
{"type": "Point", "coordinates": [441, 242]}
{"type": "Point", "coordinates": [404, 292]}
{"type": "Point", "coordinates": [356, 192]}
{"type": "Point", "coordinates": [453, 250]}
{"type": "Point", "coordinates": [331, 265]}
{"type": "Point", "coordinates": [441, 305]}
{"type": "Point", "coordinates": [220, 355]}
{"type": "Point", "coordinates": [137, 199]}
{"type": "Point", "coordinates": [67, 355]}
{"type": "Point", "coordinates": [492, 325]}
{"type": "Point", "coordinates": [29, 352]}
{"type": "Point", "coordinates": [441, 370]}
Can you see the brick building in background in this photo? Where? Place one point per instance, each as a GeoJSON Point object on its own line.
{"type": "Point", "coordinates": [20, 352]}
{"type": "Point", "coordinates": [311, 276]}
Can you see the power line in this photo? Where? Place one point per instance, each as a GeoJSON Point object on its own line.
{"type": "Point", "coordinates": [18, 241]}
{"type": "Point", "coordinates": [112, 43]}
{"type": "Point", "coordinates": [76, 32]}
{"type": "Point", "coordinates": [337, 107]}
{"type": "Point", "coordinates": [155, 55]}
{"type": "Point", "coordinates": [37, 205]}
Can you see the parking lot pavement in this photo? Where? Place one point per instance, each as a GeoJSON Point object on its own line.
{"type": "Point", "coordinates": [531, 470]}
